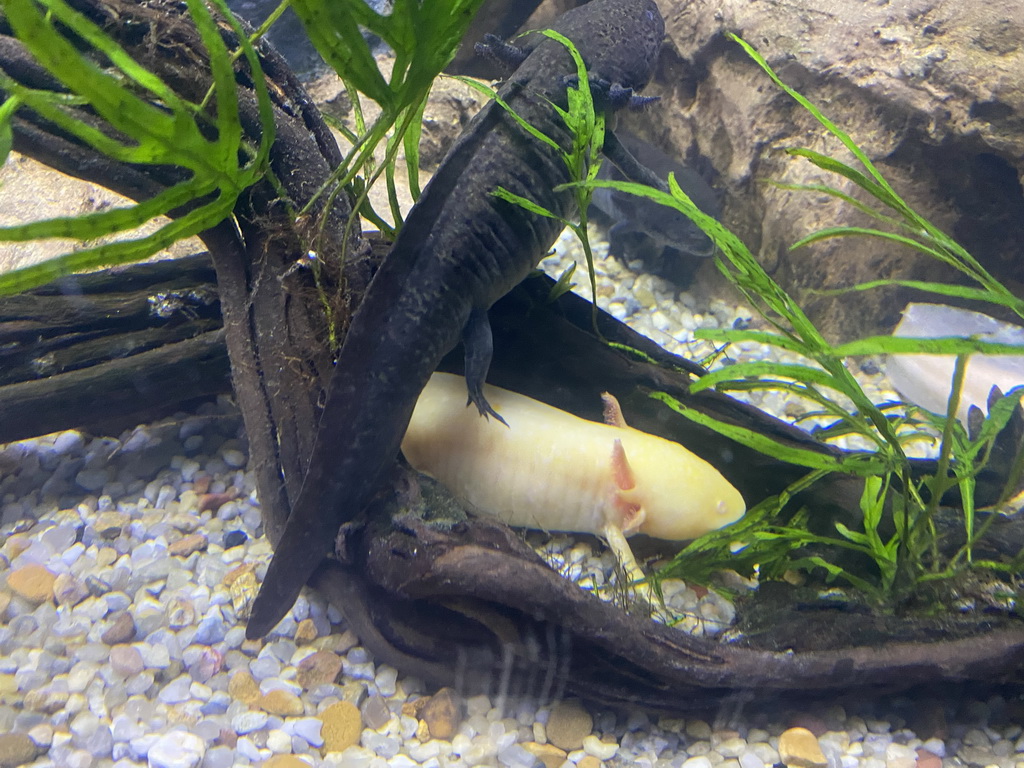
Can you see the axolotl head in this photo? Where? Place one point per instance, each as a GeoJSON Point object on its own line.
{"type": "Point", "coordinates": [681, 495]}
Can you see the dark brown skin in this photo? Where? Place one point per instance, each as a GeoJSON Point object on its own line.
{"type": "Point", "coordinates": [459, 251]}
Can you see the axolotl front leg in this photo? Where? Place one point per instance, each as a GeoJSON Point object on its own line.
{"type": "Point", "coordinates": [479, 346]}
{"type": "Point", "coordinates": [626, 517]}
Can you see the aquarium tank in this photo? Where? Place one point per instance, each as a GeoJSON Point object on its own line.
{"type": "Point", "coordinates": [457, 383]}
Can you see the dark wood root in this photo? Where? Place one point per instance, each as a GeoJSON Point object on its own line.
{"type": "Point", "coordinates": [473, 606]}
{"type": "Point", "coordinates": [111, 349]}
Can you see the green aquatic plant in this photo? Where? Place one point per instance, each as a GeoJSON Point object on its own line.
{"type": "Point", "coordinates": [898, 505]}
{"type": "Point", "coordinates": [154, 125]}
{"type": "Point", "coordinates": [424, 36]}
{"type": "Point", "coordinates": [897, 528]}
{"type": "Point", "coordinates": [158, 127]}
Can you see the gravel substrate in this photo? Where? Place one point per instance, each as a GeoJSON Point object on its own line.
{"type": "Point", "coordinates": [125, 565]}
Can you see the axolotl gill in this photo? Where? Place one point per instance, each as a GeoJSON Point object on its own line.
{"type": "Point", "coordinates": [551, 470]}
{"type": "Point", "coordinates": [459, 250]}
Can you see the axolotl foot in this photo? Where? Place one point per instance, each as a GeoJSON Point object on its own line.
{"type": "Point", "coordinates": [612, 97]}
{"type": "Point", "coordinates": [476, 337]}
{"type": "Point", "coordinates": [507, 55]}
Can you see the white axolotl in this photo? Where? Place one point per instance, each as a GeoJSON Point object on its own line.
{"type": "Point", "coordinates": [551, 470]}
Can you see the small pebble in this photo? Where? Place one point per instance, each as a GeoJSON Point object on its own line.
{"type": "Point", "coordinates": [188, 545]}
{"type": "Point", "coordinates": [32, 582]}
{"type": "Point", "coordinates": [17, 749]}
{"type": "Point", "coordinates": [442, 713]}
{"type": "Point", "coordinates": [68, 590]}
{"type": "Point", "coordinates": [319, 668]}
{"type": "Point", "coordinates": [243, 687]}
{"type": "Point", "coordinates": [121, 629]}
{"type": "Point", "coordinates": [375, 712]}
{"type": "Point", "coordinates": [281, 702]}
{"type": "Point", "coordinates": [569, 724]}
{"type": "Point", "coordinates": [549, 754]}
{"type": "Point", "coordinates": [126, 660]}
{"type": "Point", "coordinates": [342, 725]}
{"type": "Point", "coordinates": [799, 748]}
{"type": "Point", "coordinates": [177, 749]}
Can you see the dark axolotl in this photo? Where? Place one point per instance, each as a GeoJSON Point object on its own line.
{"type": "Point", "coordinates": [668, 243]}
{"type": "Point", "coordinates": [460, 250]}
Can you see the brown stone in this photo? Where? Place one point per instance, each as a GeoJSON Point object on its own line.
{"type": "Point", "coordinates": [242, 586]}
{"type": "Point", "coordinates": [812, 723]}
{"type": "Point", "coordinates": [928, 759]}
{"type": "Point", "coordinates": [799, 748]}
{"type": "Point", "coordinates": [121, 629]}
{"type": "Point", "coordinates": [213, 501]}
{"type": "Point", "coordinates": [442, 713]}
{"type": "Point", "coordinates": [47, 702]}
{"type": "Point", "coordinates": [241, 686]}
{"type": "Point", "coordinates": [32, 582]}
{"type": "Point", "coordinates": [285, 761]}
{"type": "Point", "coordinates": [588, 761]}
{"type": "Point", "coordinates": [186, 545]}
{"type": "Point", "coordinates": [305, 632]}
{"type": "Point", "coordinates": [106, 556]}
{"type": "Point", "coordinates": [342, 726]}
{"type": "Point", "coordinates": [110, 524]}
{"type": "Point", "coordinates": [238, 573]}
{"type": "Point", "coordinates": [68, 590]}
{"type": "Point", "coordinates": [569, 724]}
{"type": "Point", "coordinates": [549, 754]}
{"type": "Point", "coordinates": [227, 738]}
{"type": "Point", "coordinates": [414, 707]}
{"type": "Point", "coordinates": [320, 668]}
{"type": "Point", "coordinates": [341, 642]}
{"type": "Point", "coordinates": [281, 702]}
{"type": "Point", "coordinates": [17, 749]}
{"type": "Point", "coordinates": [126, 660]}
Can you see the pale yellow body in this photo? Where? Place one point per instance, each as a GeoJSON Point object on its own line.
{"type": "Point", "coordinates": [554, 471]}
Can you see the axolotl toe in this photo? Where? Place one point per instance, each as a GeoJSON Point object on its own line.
{"type": "Point", "coordinates": [551, 470]}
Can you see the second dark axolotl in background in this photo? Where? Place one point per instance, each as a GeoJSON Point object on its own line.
{"type": "Point", "coordinates": [460, 250]}
{"type": "Point", "coordinates": [668, 243]}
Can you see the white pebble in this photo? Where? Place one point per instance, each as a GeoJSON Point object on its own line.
{"type": "Point", "coordinates": [176, 691]}
{"type": "Point", "coordinates": [154, 656]}
{"type": "Point", "coordinates": [176, 749]}
{"type": "Point", "coordinates": [279, 742]}
{"type": "Point", "coordinates": [308, 728]}
{"type": "Point", "coordinates": [602, 750]}
{"type": "Point", "coordinates": [233, 458]}
{"type": "Point", "coordinates": [250, 721]}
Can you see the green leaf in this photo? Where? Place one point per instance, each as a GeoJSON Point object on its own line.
{"type": "Point", "coordinates": [7, 110]}
{"type": "Point", "coordinates": [799, 373]}
{"type": "Point", "coordinates": [800, 456]}
{"type": "Point", "coordinates": [942, 289]}
{"type": "Point", "coordinates": [503, 194]}
{"type": "Point", "coordinates": [945, 345]}
{"type": "Point", "coordinates": [563, 285]}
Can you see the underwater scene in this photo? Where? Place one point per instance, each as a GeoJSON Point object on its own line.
{"type": "Point", "coordinates": [519, 383]}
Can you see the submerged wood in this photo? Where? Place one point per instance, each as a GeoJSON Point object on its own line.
{"type": "Point", "coordinates": [465, 602]}
{"type": "Point", "coordinates": [111, 349]}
